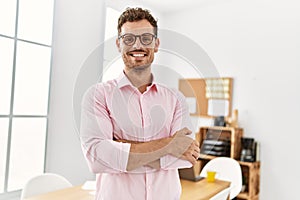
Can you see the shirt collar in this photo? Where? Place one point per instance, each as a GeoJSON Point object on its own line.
{"type": "Point", "coordinates": [123, 81]}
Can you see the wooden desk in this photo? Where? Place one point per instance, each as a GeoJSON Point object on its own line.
{"type": "Point", "coordinates": [201, 190]}
{"type": "Point", "coordinates": [72, 193]}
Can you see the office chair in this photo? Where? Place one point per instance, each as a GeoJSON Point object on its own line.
{"type": "Point", "coordinates": [44, 183]}
{"type": "Point", "coordinates": [227, 169]}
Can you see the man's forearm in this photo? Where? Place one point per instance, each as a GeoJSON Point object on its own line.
{"type": "Point", "coordinates": [148, 153]}
{"type": "Point", "coordinates": [154, 164]}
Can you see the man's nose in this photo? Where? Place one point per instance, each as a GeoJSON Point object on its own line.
{"type": "Point", "coordinates": [137, 43]}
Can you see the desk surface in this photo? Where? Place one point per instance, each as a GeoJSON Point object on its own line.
{"type": "Point", "coordinates": [201, 190]}
{"type": "Point", "coordinates": [72, 193]}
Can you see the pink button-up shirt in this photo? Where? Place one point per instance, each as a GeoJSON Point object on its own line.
{"type": "Point", "coordinates": [116, 109]}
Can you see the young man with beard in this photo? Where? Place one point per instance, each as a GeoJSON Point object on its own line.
{"type": "Point", "coordinates": [135, 132]}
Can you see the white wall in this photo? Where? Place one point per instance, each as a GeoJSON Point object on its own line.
{"type": "Point", "coordinates": [78, 32]}
{"type": "Point", "coordinates": [257, 43]}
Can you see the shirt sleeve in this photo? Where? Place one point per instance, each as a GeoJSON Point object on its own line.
{"type": "Point", "coordinates": [180, 120]}
{"type": "Point", "coordinates": [103, 155]}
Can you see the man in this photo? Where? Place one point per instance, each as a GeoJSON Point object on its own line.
{"type": "Point", "coordinates": [134, 131]}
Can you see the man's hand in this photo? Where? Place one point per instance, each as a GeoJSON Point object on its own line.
{"type": "Point", "coordinates": [184, 147]}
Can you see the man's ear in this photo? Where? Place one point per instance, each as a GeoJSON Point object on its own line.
{"type": "Point", "coordinates": [157, 43]}
{"type": "Point", "coordinates": [118, 45]}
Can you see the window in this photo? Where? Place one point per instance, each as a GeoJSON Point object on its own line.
{"type": "Point", "coordinates": [25, 65]}
{"type": "Point", "coordinates": [115, 66]}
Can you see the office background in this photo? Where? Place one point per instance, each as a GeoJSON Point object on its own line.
{"type": "Point", "coordinates": [255, 42]}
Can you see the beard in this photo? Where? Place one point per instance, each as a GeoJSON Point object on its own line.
{"type": "Point", "coordinates": [137, 65]}
{"type": "Point", "coordinates": [140, 68]}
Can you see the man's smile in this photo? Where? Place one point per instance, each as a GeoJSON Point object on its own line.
{"type": "Point", "coordinates": [137, 54]}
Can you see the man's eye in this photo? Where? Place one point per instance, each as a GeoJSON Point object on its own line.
{"type": "Point", "coordinates": [128, 39]}
{"type": "Point", "coordinates": [146, 39]}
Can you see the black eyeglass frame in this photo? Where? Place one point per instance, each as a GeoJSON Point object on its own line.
{"type": "Point", "coordinates": [139, 36]}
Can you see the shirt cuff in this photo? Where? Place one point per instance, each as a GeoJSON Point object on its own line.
{"type": "Point", "coordinates": [171, 162]}
{"type": "Point", "coordinates": [115, 151]}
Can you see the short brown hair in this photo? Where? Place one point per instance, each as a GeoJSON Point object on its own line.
{"type": "Point", "coordinates": [136, 14]}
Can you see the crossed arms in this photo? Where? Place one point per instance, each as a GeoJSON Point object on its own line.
{"type": "Point", "coordinates": [149, 153]}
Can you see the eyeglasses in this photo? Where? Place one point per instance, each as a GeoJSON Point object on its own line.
{"type": "Point", "coordinates": [129, 38]}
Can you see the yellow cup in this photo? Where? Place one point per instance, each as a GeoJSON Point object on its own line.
{"type": "Point", "coordinates": [211, 175]}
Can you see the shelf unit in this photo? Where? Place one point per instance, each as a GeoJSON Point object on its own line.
{"type": "Point", "coordinates": [250, 170]}
{"type": "Point", "coordinates": [251, 174]}
{"type": "Point", "coordinates": [231, 134]}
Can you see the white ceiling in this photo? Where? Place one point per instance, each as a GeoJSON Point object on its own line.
{"type": "Point", "coordinates": [170, 5]}
{"type": "Point", "coordinates": [161, 6]}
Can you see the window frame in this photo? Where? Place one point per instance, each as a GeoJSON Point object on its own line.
{"type": "Point", "coordinates": [5, 194]}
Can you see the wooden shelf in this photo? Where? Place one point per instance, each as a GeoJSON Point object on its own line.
{"type": "Point", "coordinates": [250, 170]}
{"type": "Point", "coordinates": [243, 195]}
{"type": "Point", "coordinates": [208, 157]}
{"type": "Point", "coordinates": [251, 174]}
{"type": "Point", "coordinates": [232, 134]}
{"type": "Point", "coordinates": [249, 164]}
